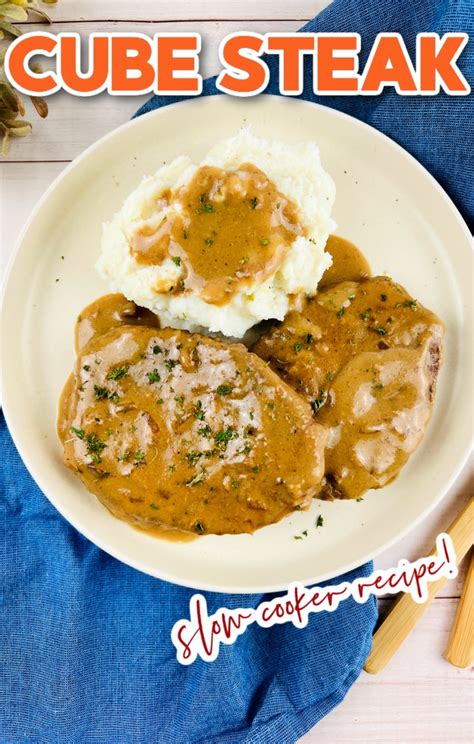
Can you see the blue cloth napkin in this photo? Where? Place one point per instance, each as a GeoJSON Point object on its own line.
{"type": "Point", "coordinates": [437, 130]}
{"type": "Point", "coordinates": [85, 650]}
{"type": "Point", "coordinates": [86, 653]}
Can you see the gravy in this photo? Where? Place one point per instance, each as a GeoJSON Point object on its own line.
{"type": "Point", "coordinates": [110, 311]}
{"type": "Point", "coordinates": [171, 430]}
{"type": "Point", "coordinates": [348, 263]}
{"type": "Point", "coordinates": [366, 355]}
{"type": "Point", "coordinates": [224, 229]}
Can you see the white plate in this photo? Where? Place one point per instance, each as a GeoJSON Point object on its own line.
{"type": "Point", "coordinates": [386, 203]}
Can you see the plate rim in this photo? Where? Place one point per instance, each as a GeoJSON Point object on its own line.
{"type": "Point", "coordinates": [14, 429]}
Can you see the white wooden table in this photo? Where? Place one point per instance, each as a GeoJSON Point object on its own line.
{"type": "Point", "coordinates": [419, 697]}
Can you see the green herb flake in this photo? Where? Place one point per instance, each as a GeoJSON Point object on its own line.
{"type": "Point", "coordinates": [209, 242]}
{"type": "Point", "coordinates": [224, 390]}
{"type": "Point", "coordinates": [157, 349]}
{"type": "Point", "coordinates": [319, 521]}
{"type": "Point", "coordinates": [235, 484]}
{"type": "Point", "coordinates": [366, 314]}
{"type": "Point", "coordinates": [139, 456]}
{"type": "Point", "coordinates": [205, 431]}
{"type": "Point", "coordinates": [383, 297]}
{"type": "Point", "coordinates": [264, 242]}
{"type": "Point", "coordinates": [309, 338]}
{"type": "Point", "coordinates": [298, 347]}
{"type": "Point", "coordinates": [209, 208]}
{"type": "Point", "coordinates": [80, 433]}
{"type": "Point", "coordinates": [318, 403]}
{"type": "Point", "coordinates": [199, 527]}
{"type": "Point", "coordinates": [94, 447]}
{"type": "Point", "coordinates": [176, 260]}
{"type": "Point", "coordinates": [170, 364]}
{"type": "Point", "coordinates": [102, 393]}
{"type": "Point", "coordinates": [198, 411]}
{"type": "Point", "coordinates": [197, 479]}
{"type": "Point", "coordinates": [225, 435]}
{"type": "Point", "coordinates": [86, 368]}
{"type": "Point", "coordinates": [341, 312]}
{"type": "Point", "coordinates": [118, 372]}
{"type": "Point", "coordinates": [254, 202]}
{"type": "Point", "coordinates": [153, 377]}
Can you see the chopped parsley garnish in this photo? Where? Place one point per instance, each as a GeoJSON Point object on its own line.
{"type": "Point", "coordinates": [197, 479]}
{"type": "Point", "coordinates": [86, 368]}
{"type": "Point", "coordinates": [209, 241]}
{"type": "Point", "coordinates": [256, 468]}
{"type": "Point", "coordinates": [341, 312]}
{"type": "Point", "coordinates": [193, 457]}
{"type": "Point", "coordinates": [139, 456]}
{"type": "Point", "coordinates": [309, 338]}
{"type": "Point", "coordinates": [235, 484]}
{"type": "Point", "coordinates": [124, 457]}
{"type": "Point", "coordinates": [170, 364]}
{"type": "Point", "coordinates": [265, 242]}
{"type": "Point", "coordinates": [93, 444]}
{"type": "Point", "coordinates": [198, 411]}
{"type": "Point", "coordinates": [224, 390]}
{"type": "Point", "coordinates": [153, 376]}
{"type": "Point", "coordinates": [209, 208]}
{"type": "Point", "coordinates": [298, 347]}
{"type": "Point", "coordinates": [179, 399]}
{"type": "Point", "coordinates": [118, 372]}
{"type": "Point", "coordinates": [320, 521]}
{"type": "Point", "coordinates": [253, 202]}
{"type": "Point", "coordinates": [412, 304]}
{"type": "Point", "coordinates": [225, 435]}
{"type": "Point", "coordinates": [205, 431]}
{"type": "Point", "coordinates": [380, 330]}
{"type": "Point", "coordinates": [318, 403]}
{"type": "Point", "coordinates": [383, 297]}
{"type": "Point", "coordinates": [366, 314]}
{"type": "Point", "coordinates": [102, 393]}
{"type": "Point", "coordinates": [176, 260]}
{"type": "Point", "coordinates": [157, 349]}
{"type": "Point", "coordinates": [199, 527]}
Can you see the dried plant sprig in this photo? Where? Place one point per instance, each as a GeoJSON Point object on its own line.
{"type": "Point", "coordinates": [12, 109]}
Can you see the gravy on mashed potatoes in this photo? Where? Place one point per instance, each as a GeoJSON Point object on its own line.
{"type": "Point", "coordinates": [221, 245]}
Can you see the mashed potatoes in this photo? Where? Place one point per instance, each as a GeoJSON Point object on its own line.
{"type": "Point", "coordinates": [266, 249]}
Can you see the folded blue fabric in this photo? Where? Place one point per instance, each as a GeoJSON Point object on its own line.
{"type": "Point", "coordinates": [86, 653]}
{"type": "Point", "coordinates": [85, 649]}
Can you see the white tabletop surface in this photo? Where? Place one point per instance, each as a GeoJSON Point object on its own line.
{"type": "Point", "coordinates": [419, 697]}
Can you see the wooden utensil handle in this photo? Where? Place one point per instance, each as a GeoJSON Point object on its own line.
{"type": "Point", "coordinates": [460, 648]}
{"type": "Point", "coordinates": [406, 612]}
